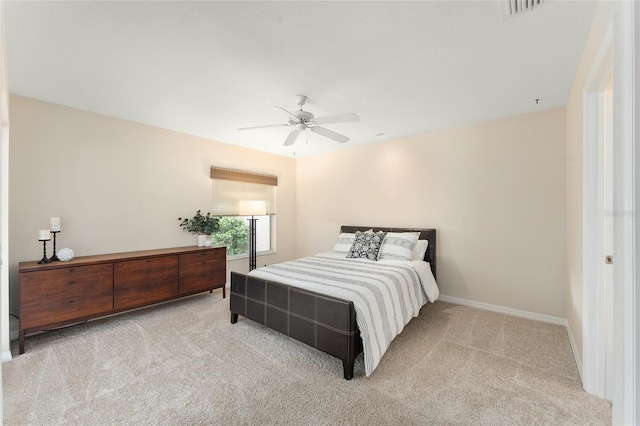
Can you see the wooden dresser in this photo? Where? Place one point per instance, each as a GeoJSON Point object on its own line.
{"type": "Point", "coordinates": [62, 293]}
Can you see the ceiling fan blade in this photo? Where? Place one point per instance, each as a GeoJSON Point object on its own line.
{"type": "Point", "coordinates": [292, 137]}
{"type": "Point", "coordinates": [262, 127]}
{"type": "Point", "coordinates": [329, 134]}
{"type": "Point", "coordinates": [288, 112]}
{"type": "Point", "coordinates": [340, 118]}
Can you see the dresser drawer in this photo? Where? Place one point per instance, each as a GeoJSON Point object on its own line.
{"type": "Point", "coordinates": [194, 260]}
{"type": "Point", "coordinates": [63, 274]}
{"type": "Point", "coordinates": [139, 282]}
{"type": "Point", "coordinates": [65, 294]}
{"type": "Point", "coordinates": [203, 271]}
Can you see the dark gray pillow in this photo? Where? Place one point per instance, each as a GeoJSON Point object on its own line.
{"type": "Point", "coordinates": [366, 245]}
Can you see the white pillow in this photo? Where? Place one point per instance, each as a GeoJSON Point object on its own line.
{"type": "Point", "coordinates": [419, 250]}
{"type": "Point", "coordinates": [345, 241]}
{"type": "Point", "coordinates": [398, 245]}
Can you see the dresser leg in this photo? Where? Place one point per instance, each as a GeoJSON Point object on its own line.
{"type": "Point", "coordinates": [21, 342]}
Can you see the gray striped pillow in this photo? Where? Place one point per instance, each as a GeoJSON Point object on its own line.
{"type": "Point", "coordinates": [345, 241]}
{"type": "Point", "coordinates": [398, 245]}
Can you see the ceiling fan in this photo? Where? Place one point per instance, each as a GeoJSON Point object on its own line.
{"type": "Point", "coordinates": [302, 120]}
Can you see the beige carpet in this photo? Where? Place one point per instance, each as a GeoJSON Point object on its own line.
{"type": "Point", "coordinates": [183, 363]}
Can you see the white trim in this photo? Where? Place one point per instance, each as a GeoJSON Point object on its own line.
{"type": "Point", "coordinates": [625, 392]}
{"type": "Point", "coordinates": [594, 338]}
{"type": "Point", "coordinates": [6, 356]}
{"type": "Point", "coordinates": [634, 415]}
{"type": "Point", "coordinates": [504, 310]}
{"type": "Point", "coordinates": [574, 348]}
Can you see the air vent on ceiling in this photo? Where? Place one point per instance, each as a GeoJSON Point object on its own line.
{"type": "Point", "coordinates": [514, 7]}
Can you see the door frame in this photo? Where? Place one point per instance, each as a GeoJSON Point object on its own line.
{"type": "Point", "coordinates": [626, 375]}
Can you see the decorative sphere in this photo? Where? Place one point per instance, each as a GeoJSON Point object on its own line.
{"type": "Point", "coordinates": [65, 254]}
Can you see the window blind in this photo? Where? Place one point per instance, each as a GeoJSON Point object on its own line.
{"type": "Point", "coordinates": [231, 186]}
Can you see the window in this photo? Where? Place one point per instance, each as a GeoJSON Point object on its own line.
{"type": "Point", "coordinates": [230, 187]}
{"type": "Point", "coordinates": [234, 233]}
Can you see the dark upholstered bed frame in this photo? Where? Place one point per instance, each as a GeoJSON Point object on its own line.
{"type": "Point", "coordinates": [324, 322]}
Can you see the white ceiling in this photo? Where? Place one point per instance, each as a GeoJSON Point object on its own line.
{"type": "Point", "coordinates": [207, 68]}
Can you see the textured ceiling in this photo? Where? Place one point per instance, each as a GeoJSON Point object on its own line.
{"type": "Point", "coordinates": [207, 68]}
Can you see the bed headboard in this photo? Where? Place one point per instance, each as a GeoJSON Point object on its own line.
{"type": "Point", "coordinates": [425, 234]}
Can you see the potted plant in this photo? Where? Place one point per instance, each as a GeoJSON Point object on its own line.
{"type": "Point", "coordinates": [201, 225]}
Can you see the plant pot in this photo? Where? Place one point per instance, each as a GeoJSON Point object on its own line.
{"type": "Point", "coordinates": [201, 240]}
{"type": "Point", "coordinates": [208, 242]}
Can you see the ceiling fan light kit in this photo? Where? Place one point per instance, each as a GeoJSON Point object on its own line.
{"type": "Point", "coordinates": [302, 120]}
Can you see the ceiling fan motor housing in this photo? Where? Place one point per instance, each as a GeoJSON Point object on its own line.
{"type": "Point", "coordinates": [304, 116]}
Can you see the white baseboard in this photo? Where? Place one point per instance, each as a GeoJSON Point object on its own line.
{"type": "Point", "coordinates": [504, 310]}
{"type": "Point", "coordinates": [6, 356]}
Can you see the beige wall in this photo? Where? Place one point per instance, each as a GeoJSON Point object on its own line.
{"type": "Point", "coordinates": [118, 185]}
{"type": "Point", "coordinates": [574, 149]}
{"type": "Point", "coordinates": [495, 191]}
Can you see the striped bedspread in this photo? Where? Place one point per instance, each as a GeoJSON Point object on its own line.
{"type": "Point", "coordinates": [386, 294]}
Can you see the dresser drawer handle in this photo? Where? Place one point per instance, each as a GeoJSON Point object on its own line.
{"type": "Point", "coordinates": [71, 302]}
{"type": "Point", "coordinates": [72, 282]}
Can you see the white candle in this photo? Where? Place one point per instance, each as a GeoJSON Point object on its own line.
{"type": "Point", "coordinates": [54, 223]}
{"type": "Point", "coordinates": [44, 235]}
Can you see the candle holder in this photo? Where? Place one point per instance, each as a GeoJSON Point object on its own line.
{"type": "Point", "coordinates": [44, 252]}
{"type": "Point", "coordinates": [55, 255]}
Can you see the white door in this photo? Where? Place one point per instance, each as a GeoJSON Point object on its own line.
{"type": "Point", "coordinates": [598, 217]}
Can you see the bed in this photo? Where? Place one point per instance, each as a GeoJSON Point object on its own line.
{"type": "Point", "coordinates": [285, 297]}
